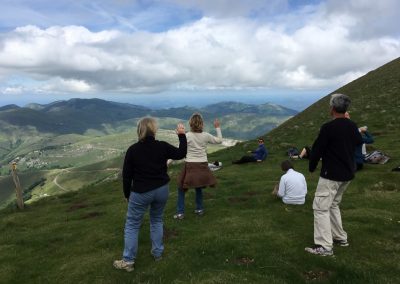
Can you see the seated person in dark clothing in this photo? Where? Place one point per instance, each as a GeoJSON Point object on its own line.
{"type": "Point", "coordinates": [359, 154]}
{"type": "Point", "coordinates": [257, 155]}
{"type": "Point", "coordinates": [361, 149]}
{"type": "Point", "coordinates": [304, 154]}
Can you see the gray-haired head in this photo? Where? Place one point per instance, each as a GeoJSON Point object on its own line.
{"type": "Point", "coordinates": [146, 127]}
{"type": "Point", "coordinates": [340, 103]}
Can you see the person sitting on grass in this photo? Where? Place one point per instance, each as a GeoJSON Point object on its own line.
{"type": "Point", "coordinates": [292, 187]}
{"type": "Point", "coordinates": [361, 149]}
{"type": "Point", "coordinates": [258, 155]}
{"type": "Point", "coordinates": [304, 154]}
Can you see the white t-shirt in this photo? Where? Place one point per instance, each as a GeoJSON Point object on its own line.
{"type": "Point", "coordinates": [293, 187]}
{"type": "Point", "coordinates": [197, 145]}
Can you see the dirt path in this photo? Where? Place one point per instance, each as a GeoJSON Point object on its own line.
{"type": "Point", "coordinates": [67, 171]}
{"type": "Point", "coordinates": [55, 180]}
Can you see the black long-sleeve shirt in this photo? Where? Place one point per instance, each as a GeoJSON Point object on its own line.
{"type": "Point", "coordinates": [336, 144]}
{"type": "Point", "coordinates": [145, 164]}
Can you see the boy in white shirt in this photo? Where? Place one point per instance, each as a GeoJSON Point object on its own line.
{"type": "Point", "coordinates": [292, 187]}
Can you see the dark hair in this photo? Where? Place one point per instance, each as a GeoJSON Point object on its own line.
{"type": "Point", "coordinates": [286, 165]}
{"type": "Point", "coordinates": [340, 103]}
{"type": "Point", "coordinates": [260, 139]}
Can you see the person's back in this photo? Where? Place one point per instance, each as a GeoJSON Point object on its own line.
{"type": "Point", "coordinates": [292, 185]}
{"type": "Point", "coordinates": [195, 172]}
{"type": "Point", "coordinates": [197, 145]}
{"type": "Point", "coordinates": [336, 145]}
{"type": "Point", "coordinates": [146, 162]}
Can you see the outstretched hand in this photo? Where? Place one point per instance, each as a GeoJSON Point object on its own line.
{"type": "Point", "coordinates": [217, 124]}
{"type": "Point", "coordinates": [180, 129]}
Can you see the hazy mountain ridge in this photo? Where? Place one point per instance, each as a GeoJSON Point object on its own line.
{"type": "Point", "coordinates": [9, 107]}
{"type": "Point", "coordinates": [64, 135]}
{"type": "Point", "coordinates": [79, 115]}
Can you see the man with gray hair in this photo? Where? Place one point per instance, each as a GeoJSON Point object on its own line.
{"type": "Point", "coordinates": [335, 144]}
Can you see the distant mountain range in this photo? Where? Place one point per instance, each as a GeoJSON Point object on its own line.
{"type": "Point", "coordinates": [78, 115]}
{"type": "Point", "coordinates": [51, 142]}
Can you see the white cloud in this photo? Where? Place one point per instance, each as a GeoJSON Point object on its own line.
{"type": "Point", "coordinates": [231, 53]}
{"type": "Point", "coordinates": [67, 86]}
{"type": "Point", "coordinates": [368, 19]}
{"type": "Point", "coordinates": [13, 90]}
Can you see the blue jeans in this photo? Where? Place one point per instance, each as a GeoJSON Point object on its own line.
{"type": "Point", "coordinates": [138, 204]}
{"type": "Point", "coordinates": [180, 208]}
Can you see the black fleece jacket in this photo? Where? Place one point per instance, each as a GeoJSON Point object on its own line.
{"type": "Point", "coordinates": [145, 164]}
{"type": "Point", "coordinates": [336, 145]}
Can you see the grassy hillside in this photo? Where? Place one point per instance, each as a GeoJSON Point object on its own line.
{"type": "Point", "coordinates": [70, 162]}
{"type": "Point", "coordinates": [246, 235]}
{"type": "Point", "coordinates": [375, 103]}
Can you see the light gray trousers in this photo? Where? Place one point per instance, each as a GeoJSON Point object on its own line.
{"type": "Point", "coordinates": [327, 217]}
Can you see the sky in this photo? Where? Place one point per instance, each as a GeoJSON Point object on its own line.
{"type": "Point", "coordinates": [170, 52]}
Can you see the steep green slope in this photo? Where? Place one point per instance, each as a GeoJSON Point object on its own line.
{"type": "Point", "coordinates": [246, 235]}
{"type": "Point", "coordinates": [375, 103]}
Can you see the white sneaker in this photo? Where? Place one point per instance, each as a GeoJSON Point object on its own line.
{"type": "Point", "coordinates": [179, 216]}
{"type": "Point", "coordinates": [122, 264]}
{"type": "Point", "coordinates": [199, 212]}
{"type": "Point", "coordinates": [319, 250]}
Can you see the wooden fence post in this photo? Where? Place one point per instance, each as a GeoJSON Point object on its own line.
{"type": "Point", "coordinates": [18, 190]}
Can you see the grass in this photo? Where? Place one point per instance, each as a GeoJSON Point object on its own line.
{"type": "Point", "coordinates": [88, 155]}
{"type": "Point", "coordinates": [246, 235]}
{"type": "Point", "coordinates": [255, 245]}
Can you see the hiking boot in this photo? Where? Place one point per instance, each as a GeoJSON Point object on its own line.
{"type": "Point", "coordinates": [179, 216]}
{"type": "Point", "coordinates": [319, 250]}
{"type": "Point", "coordinates": [199, 212]}
{"type": "Point", "coordinates": [342, 243]}
{"type": "Point", "coordinates": [122, 264]}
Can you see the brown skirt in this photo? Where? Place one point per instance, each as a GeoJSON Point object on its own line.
{"type": "Point", "coordinates": [195, 175]}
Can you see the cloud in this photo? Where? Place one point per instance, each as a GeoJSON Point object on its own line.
{"type": "Point", "coordinates": [319, 51]}
{"type": "Point", "coordinates": [13, 90]}
{"type": "Point", "coordinates": [66, 86]}
{"type": "Point", "coordinates": [365, 19]}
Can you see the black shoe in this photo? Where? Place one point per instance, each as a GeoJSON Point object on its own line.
{"type": "Point", "coordinates": [342, 243]}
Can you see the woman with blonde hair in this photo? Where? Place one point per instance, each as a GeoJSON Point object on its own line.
{"type": "Point", "coordinates": [195, 173]}
{"type": "Point", "coordinates": [145, 184]}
